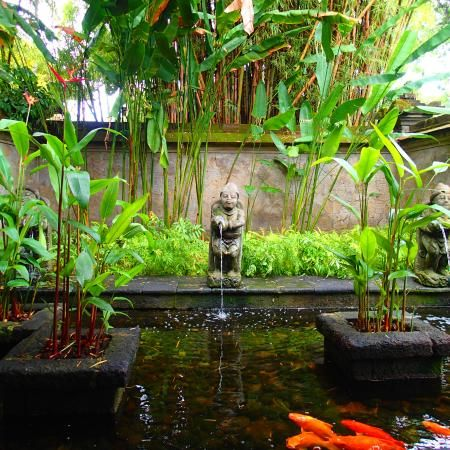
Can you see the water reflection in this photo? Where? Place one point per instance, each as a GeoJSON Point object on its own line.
{"type": "Point", "coordinates": [205, 383]}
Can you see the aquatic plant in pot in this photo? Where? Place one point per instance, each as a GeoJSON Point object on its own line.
{"type": "Point", "coordinates": [381, 346]}
{"type": "Point", "coordinates": [83, 366]}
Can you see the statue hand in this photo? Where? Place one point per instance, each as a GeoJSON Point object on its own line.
{"type": "Point", "coordinates": [219, 221]}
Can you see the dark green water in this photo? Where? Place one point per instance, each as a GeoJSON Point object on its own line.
{"type": "Point", "coordinates": [205, 383]}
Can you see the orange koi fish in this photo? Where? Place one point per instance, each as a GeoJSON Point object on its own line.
{"type": "Point", "coordinates": [309, 423]}
{"type": "Point", "coordinates": [364, 443]}
{"type": "Point", "coordinates": [435, 428]}
{"type": "Point", "coordinates": [308, 440]}
{"type": "Point", "coordinates": [369, 430]}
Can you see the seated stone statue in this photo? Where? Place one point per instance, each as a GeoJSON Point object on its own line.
{"type": "Point", "coordinates": [227, 223]}
{"type": "Point", "coordinates": [431, 261]}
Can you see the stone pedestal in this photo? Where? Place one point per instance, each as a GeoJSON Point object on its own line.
{"type": "Point", "coordinates": [399, 363]}
{"type": "Point", "coordinates": [32, 387]}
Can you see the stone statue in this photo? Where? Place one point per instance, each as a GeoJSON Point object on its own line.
{"type": "Point", "coordinates": [431, 261]}
{"type": "Point", "coordinates": [227, 224]}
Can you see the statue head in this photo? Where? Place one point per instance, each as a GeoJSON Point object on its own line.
{"type": "Point", "coordinates": [229, 196]}
{"type": "Point", "coordinates": [440, 195]}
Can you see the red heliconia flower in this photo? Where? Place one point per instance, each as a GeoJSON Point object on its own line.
{"type": "Point", "coordinates": [64, 81]}
{"type": "Point", "coordinates": [30, 99]}
{"type": "Point", "coordinates": [71, 32]}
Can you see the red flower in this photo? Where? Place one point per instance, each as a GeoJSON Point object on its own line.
{"type": "Point", "coordinates": [64, 81]}
{"type": "Point", "coordinates": [30, 99]}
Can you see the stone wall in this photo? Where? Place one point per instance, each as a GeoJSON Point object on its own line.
{"type": "Point", "coordinates": [252, 169]}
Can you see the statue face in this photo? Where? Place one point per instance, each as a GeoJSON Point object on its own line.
{"type": "Point", "coordinates": [229, 200]}
{"type": "Point", "coordinates": [443, 199]}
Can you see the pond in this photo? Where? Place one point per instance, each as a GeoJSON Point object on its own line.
{"type": "Point", "coordinates": [201, 382]}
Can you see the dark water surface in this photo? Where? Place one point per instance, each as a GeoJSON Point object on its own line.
{"type": "Point", "coordinates": [201, 382]}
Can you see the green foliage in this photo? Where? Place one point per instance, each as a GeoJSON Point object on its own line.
{"type": "Point", "coordinates": [14, 82]}
{"type": "Point", "coordinates": [177, 250]}
{"type": "Point", "coordinates": [294, 253]}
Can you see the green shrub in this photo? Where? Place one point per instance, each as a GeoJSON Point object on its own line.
{"type": "Point", "coordinates": [180, 250]}
{"type": "Point", "coordinates": [294, 253]}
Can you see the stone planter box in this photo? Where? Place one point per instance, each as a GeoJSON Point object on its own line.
{"type": "Point", "coordinates": [32, 387]}
{"type": "Point", "coordinates": [391, 363]}
{"type": "Point", "coordinates": [11, 333]}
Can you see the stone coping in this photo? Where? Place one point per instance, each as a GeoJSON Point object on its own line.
{"type": "Point", "coordinates": [306, 292]}
{"type": "Point", "coordinates": [272, 285]}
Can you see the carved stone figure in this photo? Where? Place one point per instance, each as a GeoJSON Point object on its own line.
{"type": "Point", "coordinates": [227, 223]}
{"type": "Point", "coordinates": [432, 258]}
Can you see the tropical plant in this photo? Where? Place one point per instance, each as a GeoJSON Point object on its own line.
{"type": "Point", "coordinates": [23, 246]}
{"type": "Point", "coordinates": [91, 257]}
{"type": "Point", "coordinates": [404, 180]}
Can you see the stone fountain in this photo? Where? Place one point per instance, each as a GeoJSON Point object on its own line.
{"type": "Point", "coordinates": [432, 257]}
{"type": "Point", "coordinates": [225, 245]}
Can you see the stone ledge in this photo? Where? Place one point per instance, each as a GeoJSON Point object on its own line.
{"type": "Point", "coordinates": [405, 361]}
{"type": "Point", "coordinates": [38, 387]}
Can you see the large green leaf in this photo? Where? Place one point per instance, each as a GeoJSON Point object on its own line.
{"type": "Point", "coordinates": [325, 40]}
{"type": "Point", "coordinates": [260, 51]}
{"type": "Point", "coordinates": [106, 69]}
{"type": "Point", "coordinates": [212, 60]}
{"type": "Point", "coordinates": [6, 179]}
{"type": "Point", "coordinates": [20, 137]}
{"type": "Point", "coordinates": [329, 103]}
{"type": "Point", "coordinates": [398, 161]}
{"type": "Point", "coordinates": [433, 109]}
{"type": "Point", "coordinates": [368, 244]}
{"type": "Point", "coordinates": [324, 71]}
{"type": "Point", "coordinates": [376, 79]}
{"type": "Point", "coordinates": [367, 163]}
{"type": "Point", "coordinates": [306, 122]}
{"type": "Point", "coordinates": [332, 141]}
{"type": "Point", "coordinates": [100, 304]}
{"type": "Point", "coordinates": [109, 200]}
{"type": "Point", "coordinates": [38, 42]}
{"type": "Point", "coordinates": [387, 24]}
{"type": "Point", "coordinates": [70, 135]}
{"type": "Point", "coordinates": [346, 109]}
{"type": "Point", "coordinates": [37, 248]}
{"type": "Point", "coordinates": [402, 50]}
{"type": "Point", "coordinates": [259, 110]}
{"type": "Point", "coordinates": [442, 36]}
{"type": "Point", "coordinates": [85, 229]}
{"type": "Point", "coordinates": [278, 143]}
{"type": "Point", "coordinates": [123, 220]}
{"type": "Point", "coordinates": [88, 138]}
{"type": "Point", "coordinates": [84, 268]}
{"type": "Point", "coordinates": [93, 17]}
{"type": "Point", "coordinates": [79, 184]}
{"type": "Point", "coordinates": [386, 125]}
{"type": "Point", "coordinates": [153, 135]}
{"type": "Point", "coordinates": [126, 277]}
{"type": "Point", "coordinates": [279, 121]}
{"type": "Point", "coordinates": [164, 161]}
{"type": "Point", "coordinates": [284, 103]}
{"type": "Point", "coordinates": [103, 183]}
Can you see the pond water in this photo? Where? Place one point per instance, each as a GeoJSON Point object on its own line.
{"type": "Point", "coordinates": [201, 382]}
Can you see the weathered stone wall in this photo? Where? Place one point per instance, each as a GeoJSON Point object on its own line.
{"type": "Point", "coordinates": [250, 169]}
